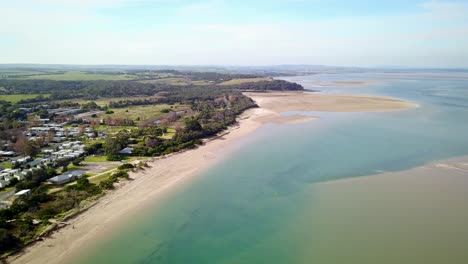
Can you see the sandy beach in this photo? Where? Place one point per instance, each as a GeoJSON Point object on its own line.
{"type": "Point", "coordinates": [298, 101]}
{"type": "Point", "coordinates": [168, 172]}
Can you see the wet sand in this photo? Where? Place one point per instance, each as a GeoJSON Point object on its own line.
{"type": "Point", "coordinates": [414, 216]}
{"type": "Point", "coordinates": [298, 101]}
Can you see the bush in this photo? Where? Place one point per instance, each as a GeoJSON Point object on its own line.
{"type": "Point", "coordinates": [113, 158]}
{"type": "Point", "coordinates": [14, 181]}
{"type": "Point", "coordinates": [77, 161]}
{"type": "Point", "coordinates": [107, 184]}
{"type": "Point", "coordinates": [126, 166]}
{"type": "Point", "coordinates": [121, 174]}
{"type": "Point", "coordinates": [7, 241]}
{"type": "Point", "coordinates": [46, 213]}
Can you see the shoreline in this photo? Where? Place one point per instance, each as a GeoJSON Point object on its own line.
{"type": "Point", "coordinates": [131, 196]}
{"type": "Point", "coordinates": [164, 174]}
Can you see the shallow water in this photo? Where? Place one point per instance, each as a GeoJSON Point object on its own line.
{"type": "Point", "coordinates": [271, 201]}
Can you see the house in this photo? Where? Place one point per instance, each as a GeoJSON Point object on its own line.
{"type": "Point", "coordinates": [67, 177]}
{"type": "Point", "coordinates": [22, 160]}
{"type": "Point", "coordinates": [35, 163]}
{"type": "Point", "coordinates": [7, 153]}
{"type": "Point", "coordinates": [19, 176]}
{"type": "Point", "coordinates": [126, 151]}
{"type": "Point", "coordinates": [8, 179]}
{"type": "Point", "coordinates": [25, 192]}
{"type": "Point", "coordinates": [3, 184]}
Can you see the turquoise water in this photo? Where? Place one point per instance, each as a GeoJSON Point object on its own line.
{"type": "Point", "coordinates": [258, 205]}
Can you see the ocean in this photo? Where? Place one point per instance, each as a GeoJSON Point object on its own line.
{"type": "Point", "coordinates": [283, 196]}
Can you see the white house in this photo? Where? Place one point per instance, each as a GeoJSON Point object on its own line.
{"type": "Point", "coordinates": [23, 192]}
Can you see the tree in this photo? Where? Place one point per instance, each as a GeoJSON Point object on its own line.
{"type": "Point", "coordinates": [82, 184]}
{"type": "Point", "coordinates": [90, 106]}
{"type": "Point", "coordinates": [26, 147]}
{"type": "Point", "coordinates": [112, 147]}
{"type": "Point", "coordinates": [7, 241]}
{"type": "Point", "coordinates": [63, 163]}
{"type": "Point", "coordinates": [51, 172]}
{"type": "Point", "coordinates": [151, 142]}
{"type": "Point", "coordinates": [192, 124]}
{"type": "Point", "coordinates": [77, 161]}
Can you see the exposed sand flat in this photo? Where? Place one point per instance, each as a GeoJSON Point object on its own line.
{"type": "Point", "coordinates": [270, 116]}
{"type": "Point", "coordinates": [419, 213]}
{"type": "Point", "coordinates": [299, 101]}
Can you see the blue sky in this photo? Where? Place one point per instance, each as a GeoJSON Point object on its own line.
{"type": "Point", "coordinates": [206, 32]}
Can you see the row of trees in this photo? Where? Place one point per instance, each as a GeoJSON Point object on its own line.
{"type": "Point", "coordinates": [61, 90]}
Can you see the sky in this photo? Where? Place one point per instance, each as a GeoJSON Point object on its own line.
{"type": "Point", "coordinates": [364, 33]}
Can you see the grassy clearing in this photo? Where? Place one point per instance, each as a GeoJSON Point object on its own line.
{"type": "Point", "coordinates": [140, 113]}
{"type": "Point", "coordinates": [170, 134]}
{"type": "Point", "coordinates": [136, 113]}
{"type": "Point", "coordinates": [245, 80]}
{"type": "Point", "coordinates": [7, 189]}
{"type": "Point", "coordinates": [100, 177]}
{"type": "Point", "coordinates": [96, 159]}
{"type": "Point", "coordinates": [170, 81]}
{"type": "Point", "coordinates": [112, 129]}
{"type": "Point", "coordinates": [104, 158]}
{"type": "Point", "coordinates": [15, 98]}
{"type": "Point", "coordinates": [105, 101]}
{"type": "Point", "coordinates": [81, 76]}
{"type": "Point", "coordinates": [7, 165]}
{"type": "Point", "coordinates": [180, 81]}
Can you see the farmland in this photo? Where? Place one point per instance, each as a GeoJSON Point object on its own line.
{"type": "Point", "coordinates": [244, 80]}
{"type": "Point", "coordinates": [15, 98]}
{"type": "Point", "coordinates": [81, 76]}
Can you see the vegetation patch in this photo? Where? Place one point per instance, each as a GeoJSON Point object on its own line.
{"type": "Point", "coordinates": [15, 98]}
{"type": "Point", "coordinates": [81, 76]}
{"type": "Point", "coordinates": [244, 80]}
{"type": "Point", "coordinates": [96, 159]}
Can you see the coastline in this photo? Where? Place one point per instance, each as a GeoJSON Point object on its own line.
{"type": "Point", "coordinates": [163, 175]}
{"type": "Point", "coordinates": [131, 196]}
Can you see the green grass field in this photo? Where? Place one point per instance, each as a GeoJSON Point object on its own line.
{"type": "Point", "coordinates": [7, 189]}
{"type": "Point", "coordinates": [144, 112]}
{"type": "Point", "coordinates": [180, 81]}
{"type": "Point", "coordinates": [96, 159]}
{"type": "Point", "coordinates": [15, 98]}
{"type": "Point", "coordinates": [81, 76]}
{"type": "Point", "coordinates": [100, 177]}
{"type": "Point", "coordinates": [138, 114]}
{"type": "Point", "coordinates": [7, 165]}
{"type": "Point", "coordinates": [105, 101]}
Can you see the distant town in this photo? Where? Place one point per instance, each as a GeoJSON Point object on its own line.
{"type": "Point", "coordinates": [69, 136]}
